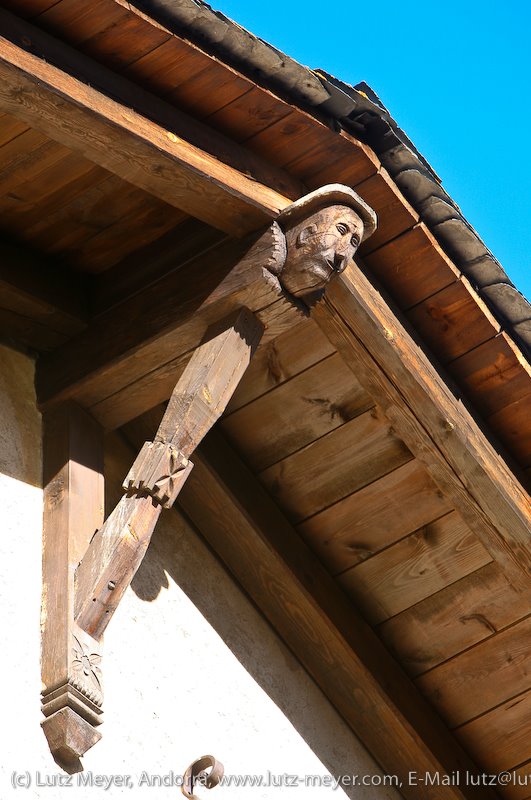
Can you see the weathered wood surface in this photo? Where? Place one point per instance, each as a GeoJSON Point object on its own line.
{"type": "Point", "coordinates": [412, 266]}
{"type": "Point", "coordinates": [304, 605]}
{"type": "Point", "coordinates": [414, 568]}
{"type": "Point", "coordinates": [73, 510]}
{"type": "Point", "coordinates": [299, 411]}
{"type": "Point", "coordinates": [334, 466]}
{"type": "Point", "coordinates": [155, 480]}
{"type": "Point", "coordinates": [289, 354]}
{"type": "Point", "coordinates": [43, 298]}
{"type": "Point", "coordinates": [482, 677]}
{"type": "Point", "coordinates": [453, 619]}
{"type": "Point", "coordinates": [141, 152]}
{"type": "Point", "coordinates": [453, 321]}
{"type": "Point", "coordinates": [482, 737]}
{"type": "Point", "coordinates": [171, 317]}
{"type": "Point", "coordinates": [435, 426]}
{"type": "Point", "coordinates": [87, 67]}
{"type": "Point", "coordinates": [362, 524]}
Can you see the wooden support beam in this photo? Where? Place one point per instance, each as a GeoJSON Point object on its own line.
{"type": "Point", "coordinates": [159, 472]}
{"type": "Point", "coordinates": [309, 611]}
{"type": "Point", "coordinates": [436, 426]}
{"type": "Point", "coordinates": [40, 305]}
{"type": "Point", "coordinates": [73, 510]}
{"type": "Point", "coordinates": [113, 358]}
{"type": "Point", "coordinates": [87, 571]}
{"type": "Point", "coordinates": [158, 157]}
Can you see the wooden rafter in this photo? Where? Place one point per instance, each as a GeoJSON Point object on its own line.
{"type": "Point", "coordinates": [171, 317]}
{"type": "Point", "coordinates": [436, 426]}
{"type": "Point", "coordinates": [40, 304]}
{"type": "Point", "coordinates": [245, 528]}
{"type": "Point", "coordinates": [156, 157]}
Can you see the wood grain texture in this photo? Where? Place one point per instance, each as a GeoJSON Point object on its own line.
{"type": "Point", "coordinates": [414, 568]}
{"type": "Point", "coordinates": [486, 675]}
{"type": "Point", "coordinates": [433, 424]}
{"type": "Point", "coordinates": [324, 631]}
{"type": "Point", "coordinates": [161, 470]}
{"type": "Point", "coordinates": [512, 423]}
{"type": "Point", "coordinates": [453, 321]}
{"type": "Point", "coordinates": [285, 356]}
{"type": "Point", "coordinates": [87, 121]}
{"type": "Point", "coordinates": [171, 317]}
{"type": "Point", "coordinates": [450, 621]}
{"type": "Point", "coordinates": [40, 304]}
{"type": "Point", "coordinates": [348, 458]}
{"type": "Point", "coordinates": [493, 375]}
{"type": "Point", "coordinates": [499, 739]}
{"type": "Point", "coordinates": [374, 517]}
{"type": "Point", "coordinates": [412, 267]}
{"type": "Point", "coordinates": [131, 95]}
{"type": "Point", "coordinates": [395, 214]}
{"type": "Point", "coordinates": [73, 511]}
{"type": "Point", "coordinates": [300, 410]}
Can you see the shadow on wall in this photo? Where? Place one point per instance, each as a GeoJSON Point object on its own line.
{"type": "Point", "coordinates": [178, 551]}
{"type": "Point", "coordinates": [20, 422]}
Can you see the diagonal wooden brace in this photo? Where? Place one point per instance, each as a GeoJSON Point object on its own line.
{"type": "Point", "coordinates": [88, 594]}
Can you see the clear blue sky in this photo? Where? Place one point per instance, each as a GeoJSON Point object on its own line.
{"type": "Point", "coordinates": [454, 75]}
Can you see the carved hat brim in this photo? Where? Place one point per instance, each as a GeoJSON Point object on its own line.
{"type": "Point", "coordinates": [334, 194]}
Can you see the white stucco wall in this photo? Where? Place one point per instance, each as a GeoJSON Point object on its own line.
{"type": "Point", "coordinates": [190, 666]}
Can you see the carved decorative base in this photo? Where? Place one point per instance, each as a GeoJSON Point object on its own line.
{"type": "Point", "coordinates": [69, 737]}
{"type": "Point", "coordinates": [73, 710]}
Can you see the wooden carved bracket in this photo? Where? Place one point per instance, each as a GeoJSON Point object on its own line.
{"type": "Point", "coordinates": [87, 563]}
{"type": "Point", "coordinates": [85, 581]}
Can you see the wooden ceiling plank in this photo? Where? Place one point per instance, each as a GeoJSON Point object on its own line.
{"type": "Point", "coordinates": [435, 426]}
{"type": "Point", "coordinates": [494, 374]}
{"type": "Point", "coordinates": [414, 568]}
{"type": "Point", "coordinates": [249, 114]}
{"type": "Point", "coordinates": [412, 266]}
{"type": "Point", "coordinates": [296, 413]}
{"type": "Point", "coordinates": [281, 359]}
{"type": "Point", "coordinates": [362, 524]}
{"type": "Point", "coordinates": [10, 128]}
{"type": "Point", "coordinates": [39, 294]}
{"type": "Point", "coordinates": [133, 147]}
{"type": "Point", "coordinates": [334, 466]}
{"type": "Point", "coordinates": [499, 739]}
{"type": "Point", "coordinates": [301, 601]}
{"type": "Point", "coordinates": [171, 316]}
{"type": "Point", "coordinates": [453, 321]}
{"type": "Point", "coordinates": [395, 214]}
{"type": "Point", "coordinates": [486, 675]}
{"type": "Point", "coordinates": [450, 621]}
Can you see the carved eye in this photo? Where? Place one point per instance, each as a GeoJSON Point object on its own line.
{"type": "Point", "coordinates": [354, 241]}
{"type": "Point", "coordinates": [342, 228]}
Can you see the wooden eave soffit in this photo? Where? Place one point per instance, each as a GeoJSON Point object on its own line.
{"type": "Point", "coordinates": [88, 566]}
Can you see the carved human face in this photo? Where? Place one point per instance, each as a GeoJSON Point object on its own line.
{"type": "Point", "coordinates": [319, 247]}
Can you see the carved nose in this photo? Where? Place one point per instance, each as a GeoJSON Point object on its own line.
{"type": "Point", "coordinates": [340, 262]}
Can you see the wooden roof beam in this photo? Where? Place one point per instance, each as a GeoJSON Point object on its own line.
{"type": "Point", "coordinates": [435, 425]}
{"type": "Point", "coordinates": [215, 179]}
{"type": "Point", "coordinates": [40, 304]}
{"type": "Point", "coordinates": [132, 354]}
{"type": "Point", "coordinates": [225, 502]}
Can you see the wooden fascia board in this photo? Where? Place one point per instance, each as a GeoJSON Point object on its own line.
{"type": "Point", "coordinates": [436, 426]}
{"type": "Point", "coordinates": [305, 606]}
{"type": "Point", "coordinates": [154, 158]}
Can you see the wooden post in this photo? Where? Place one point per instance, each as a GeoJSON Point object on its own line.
{"type": "Point", "coordinates": [73, 510]}
{"type": "Point", "coordinates": [86, 571]}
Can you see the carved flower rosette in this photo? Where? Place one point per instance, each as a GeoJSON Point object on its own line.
{"type": "Point", "coordinates": [85, 670]}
